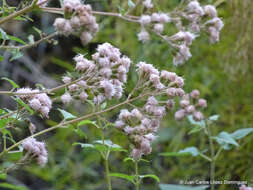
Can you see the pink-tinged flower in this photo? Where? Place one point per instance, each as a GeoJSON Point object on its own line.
{"type": "Point", "coordinates": [83, 96]}
{"type": "Point", "coordinates": [179, 115]}
{"type": "Point", "coordinates": [145, 19]}
{"type": "Point", "coordinates": [182, 56]}
{"type": "Point", "coordinates": [124, 114]}
{"type": "Point", "coordinates": [171, 92]}
{"type": "Point", "coordinates": [198, 116]}
{"type": "Point", "coordinates": [170, 103]}
{"type": "Point", "coordinates": [73, 87]}
{"type": "Point", "coordinates": [66, 79]}
{"type": "Point", "coordinates": [202, 103]}
{"type": "Point", "coordinates": [195, 94]}
{"type": "Point", "coordinates": [210, 11]}
{"type": "Point", "coordinates": [119, 124]}
{"type": "Point", "coordinates": [148, 4]}
{"type": "Point", "coordinates": [179, 82]}
{"type": "Point", "coordinates": [136, 154]}
{"type": "Point", "coordinates": [137, 114]}
{"type": "Point", "coordinates": [66, 98]}
{"type": "Point", "coordinates": [44, 100]}
{"type": "Point", "coordinates": [214, 35]}
{"type": "Point", "coordinates": [34, 104]}
{"type": "Point", "coordinates": [143, 36]}
{"type": "Point", "coordinates": [194, 7]}
{"type": "Point", "coordinates": [180, 92]}
{"type": "Point", "coordinates": [128, 130]}
{"type": "Point", "coordinates": [152, 101]}
{"type": "Point", "coordinates": [24, 91]}
{"type": "Point", "coordinates": [44, 110]}
{"type": "Point", "coordinates": [184, 103]}
{"type": "Point", "coordinates": [190, 109]}
{"type": "Point", "coordinates": [32, 128]}
{"type": "Point", "coordinates": [86, 37]}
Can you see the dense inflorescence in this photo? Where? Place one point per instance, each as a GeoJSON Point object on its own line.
{"type": "Point", "coordinates": [38, 101]}
{"type": "Point", "coordinates": [243, 187]}
{"type": "Point", "coordinates": [102, 78]}
{"type": "Point", "coordinates": [189, 21]}
{"type": "Point", "coordinates": [141, 123]}
{"type": "Point", "coordinates": [36, 148]}
{"type": "Point", "coordinates": [78, 21]}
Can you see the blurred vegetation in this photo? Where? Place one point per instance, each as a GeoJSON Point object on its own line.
{"type": "Point", "coordinates": [222, 72]}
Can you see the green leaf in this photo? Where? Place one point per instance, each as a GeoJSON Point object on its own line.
{"type": "Point", "coordinates": [13, 38]}
{"type": "Point", "coordinates": [151, 176]}
{"type": "Point", "coordinates": [110, 145]}
{"type": "Point", "coordinates": [214, 117]}
{"type": "Point", "coordinates": [80, 132]}
{"type": "Point", "coordinates": [2, 176]}
{"type": "Point", "coordinates": [16, 54]}
{"type": "Point", "coordinates": [84, 145]}
{"type": "Point", "coordinates": [192, 150]}
{"type": "Point", "coordinates": [1, 58]}
{"type": "Point", "coordinates": [103, 105]}
{"type": "Point", "coordinates": [23, 104]}
{"type": "Point", "coordinates": [66, 115]}
{"type": "Point", "coordinates": [31, 39]}
{"type": "Point", "coordinates": [193, 122]}
{"type": "Point", "coordinates": [181, 187]}
{"type": "Point", "coordinates": [87, 122]}
{"type": "Point", "coordinates": [3, 34]}
{"type": "Point", "coordinates": [225, 140]}
{"type": "Point", "coordinates": [175, 154]}
{"type": "Point", "coordinates": [240, 133]}
{"type": "Point", "coordinates": [37, 30]}
{"type": "Point", "coordinates": [15, 85]}
{"type": "Point", "coordinates": [63, 64]}
{"type": "Point", "coordinates": [121, 10]}
{"type": "Point", "coordinates": [123, 176]}
{"type": "Point", "coordinates": [195, 129]}
{"type": "Point", "coordinates": [14, 187]}
{"type": "Point", "coordinates": [131, 3]}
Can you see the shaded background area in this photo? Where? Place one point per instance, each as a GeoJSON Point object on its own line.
{"type": "Point", "coordinates": [222, 72]}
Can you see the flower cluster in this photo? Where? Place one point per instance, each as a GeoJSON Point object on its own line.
{"type": "Point", "coordinates": [81, 22]}
{"type": "Point", "coordinates": [102, 77]}
{"type": "Point", "coordinates": [243, 187]}
{"type": "Point", "coordinates": [148, 4]}
{"type": "Point", "coordinates": [195, 13]}
{"type": "Point", "coordinates": [156, 20]}
{"type": "Point", "coordinates": [189, 22]}
{"type": "Point", "coordinates": [37, 149]}
{"type": "Point", "coordinates": [141, 124]}
{"type": "Point", "coordinates": [39, 102]}
{"type": "Point", "coordinates": [190, 103]}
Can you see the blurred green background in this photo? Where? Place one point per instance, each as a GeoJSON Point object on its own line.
{"type": "Point", "coordinates": [223, 73]}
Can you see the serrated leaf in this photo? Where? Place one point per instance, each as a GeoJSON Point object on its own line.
{"type": "Point", "coordinates": [193, 122]}
{"type": "Point", "coordinates": [225, 140]}
{"type": "Point", "coordinates": [181, 187]}
{"type": "Point", "coordinates": [192, 150]}
{"type": "Point", "coordinates": [240, 133]}
{"type": "Point", "coordinates": [151, 176]}
{"type": "Point", "coordinates": [13, 187]}
{"type": "Point", "coordinates": [37, 30]}
{"type": "Point", "coordinates": [195, 129]}
{"type": "Point", "coordinates": [66, 115]}
{"type": "Point", "coordinates": [23, 104]}
{"type": "Point", "coordinates": [123, 176]}
{"type": "Point", "coordinates": [31, 39]}
{"type": "Point", "coordinates": [3, 34]}
{"type": "Point", "coordinates": [16, 54]}
{"type": "Point", "coordinates": [87, 122]}
{"type": "Point", "coordinates": [14, 38]}
{"type": "Point", "coordinates": [131, 3]}
{"type": "Point", "coordinates": [84, 145]}
{"type": "Point", "coordinates": [110, 145]}
{"type": "Point", "coordinates": [214, 117]}
{"type": "Point", "coordinates": [14, 85]}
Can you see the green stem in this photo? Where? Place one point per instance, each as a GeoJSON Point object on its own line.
{"type": "Point", "coordinates": [137, 183]}
{"type": "Point", "coordinates": [212, 165]}
{"type": "Point", "coordinates": [108, 177]}
{"type": "Point", "coordinates": [18, 13]}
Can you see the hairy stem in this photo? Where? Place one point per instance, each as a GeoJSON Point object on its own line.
{"type": "Point", "coordinates": [31, 44]}
{"type": "Point", "coordinates": [20, 12]}
{"type": "Point", "coordinates": [66, 123]}
{"type": "Point", "coordinates": [108, 177]}
{"type": "Point", "coordinates": [137, 180]}
{"type": "Point", "coordinates": [212, 164]}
